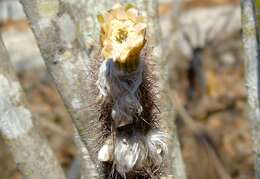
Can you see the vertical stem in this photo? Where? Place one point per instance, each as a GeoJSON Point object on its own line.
{"type": "Point", "coordinates": [87, 169]}
{"type": "Point", "coordinates": [31, 152]}
{"type": "Point", "coordinates": [63, 34]}
{"type": "Point", "coordinates": [252, 73]}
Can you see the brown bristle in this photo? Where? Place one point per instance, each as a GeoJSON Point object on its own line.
{"type": "Point", "coordinates": [111, 173]}
{"type": "Point", "coordinates": [149, 116]}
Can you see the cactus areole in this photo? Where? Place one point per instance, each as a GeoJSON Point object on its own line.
{"type": "Point", "coordinates": [133, 145]}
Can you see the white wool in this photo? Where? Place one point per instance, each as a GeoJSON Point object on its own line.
{"type": "Point", "coordinates": [129, 153]}
{"type": "Point", "coordinates": [105, 153]}
{"type": "Point", "coordinates": [156, 142]}
{"type": "Point", "coordinates": [135, 151]}
{"type": "Point", "coordinates": [122, 88]}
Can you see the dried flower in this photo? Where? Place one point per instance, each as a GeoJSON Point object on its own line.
{"type": "Point", "coordinates": [122, 35]}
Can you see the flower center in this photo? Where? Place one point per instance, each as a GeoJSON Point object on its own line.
{"type": "Point", "coordinates": [121, 35]}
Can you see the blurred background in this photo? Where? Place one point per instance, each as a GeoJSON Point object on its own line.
{"type": "Point", "coordinates": [206, 76]}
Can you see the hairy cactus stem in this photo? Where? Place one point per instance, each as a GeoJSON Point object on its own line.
{"type": "Point", "coordinates": [133, 146]}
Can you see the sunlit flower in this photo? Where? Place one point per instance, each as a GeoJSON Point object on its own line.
{"type": "Point", "coordinates": [122, 34]}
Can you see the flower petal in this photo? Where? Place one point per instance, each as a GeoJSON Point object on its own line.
{"type": "Point", "coordinates": [122, 35]}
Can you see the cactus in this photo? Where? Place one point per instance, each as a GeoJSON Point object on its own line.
{"type": "Point", "coordinates": [133, 144]}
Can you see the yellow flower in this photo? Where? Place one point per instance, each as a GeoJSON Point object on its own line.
{"type": "Point", "coordinates": [122, 35]}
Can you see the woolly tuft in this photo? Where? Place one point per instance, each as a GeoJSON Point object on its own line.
{"type": "Point", "coordinates": [129, 118]}
{"type": "Point", "coordinates": [121, 88]}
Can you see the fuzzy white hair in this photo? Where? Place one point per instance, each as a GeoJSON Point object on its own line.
{"type": "Point", "coordinates": [129, 151]}
{"type": "Point", "coordinates": [156, 142]}
{"type": "Point", "coordinates": [121, 88]}
{"type": "Point", "coordinates": [134, 152]}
